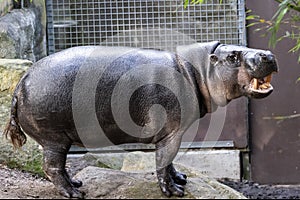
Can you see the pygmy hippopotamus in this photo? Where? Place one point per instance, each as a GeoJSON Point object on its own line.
{"type": "Point", "coordinates": [95, 96]}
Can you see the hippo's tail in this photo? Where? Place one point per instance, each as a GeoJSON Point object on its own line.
{"type": "Point", "coordinates": [13, 129]}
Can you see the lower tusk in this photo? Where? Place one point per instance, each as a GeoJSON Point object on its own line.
{"type": "Point", "coordinates": [268, 79]}
{"type": "Point", "coordinates": [255, 83]}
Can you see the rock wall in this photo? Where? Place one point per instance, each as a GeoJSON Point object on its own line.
{"type": "Point", "coordinates": [11, 71]}
{"type": "Point", "coordinates": [22, 33]}
{"type": "Point", "coordinates": [30, 157]}
{"type": "Point", "coordinates": [5, 6]}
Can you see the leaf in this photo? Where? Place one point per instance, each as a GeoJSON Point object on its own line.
{"type": "Point", "coordinates": [281, 15]}
{"type": "Point", "coordinates": [281, 12]}
{"type": "Point", "coordinates": [252, 17]}
{"type": "Point", "coordinates": [258, 29]}
{"type": "Point", "coordinates": [248, 11]}
{"type": "Point", "coordinates": [200, 1]}
{"type": "Point", "coordinates": [287, 34]}
{"type": "Point", "coordinates": [299, 77]}
{"type": "Point", "coordinates": [186, 3]}
{"type": "Point", "coordinates": [262, 20]}
{"type": "Point", "coordinates": [296, 47]}
{"type": "Point", "coordinates": [252, 24]}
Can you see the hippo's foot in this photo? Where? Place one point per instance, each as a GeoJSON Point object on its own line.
{"type": "Point", "coordinates": [171, 182]}
{"type": "Point", "coordinates": [76, 183]}
{"type": "Point", "coordinates": [178, 177]}
{"type": "Point", "coordinates": [54, 168]}
{"type": "Point", "coordinates": [64, 185]}
{"type": "Point", "coordinates": [70, 192]}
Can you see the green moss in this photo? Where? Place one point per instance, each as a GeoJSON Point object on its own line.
{"type": "Point", "coordinates": [102, 165]}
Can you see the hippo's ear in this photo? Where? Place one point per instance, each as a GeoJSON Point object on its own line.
{"type": "Point", "coordinates": [213, 58]}
{"type": "Point", "coordinates": [238, 53]}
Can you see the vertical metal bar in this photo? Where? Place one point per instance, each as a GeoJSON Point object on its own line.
{"type": "Point", "coordinates": [242, 22]}
{"type": "Point", "coordinates": [50, 28]}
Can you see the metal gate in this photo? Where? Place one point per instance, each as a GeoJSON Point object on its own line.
{"type": "Point", "coordinates": [162, 24]}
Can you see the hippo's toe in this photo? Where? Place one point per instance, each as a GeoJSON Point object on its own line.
{"type": "Point", "coordinates": [179, 178]}
{"type": "Point", "coordinates": [72, 193]}
{"type": "Point", "coordinates": [172, 189]}
{"type": "Point", "coordinates": [76, 183]}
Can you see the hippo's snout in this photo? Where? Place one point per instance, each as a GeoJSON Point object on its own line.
{"type": "Point", "coordinates": [261, 65]}
{"type": "Point", "coordinates": [266, 59]}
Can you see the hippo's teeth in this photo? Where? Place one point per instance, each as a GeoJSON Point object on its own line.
{"type": "Point", "coordinates": [267, 82]}
{"type": "Point", "coordinates": [264, 86]}
{"type": "Point", "coordinates": [255, 83]}
{"type": "Point", "coordinates": [268, 79]}
{"type": "Point", "coordinates": [261, 84]}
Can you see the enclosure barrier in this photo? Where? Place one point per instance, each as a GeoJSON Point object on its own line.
{"type": "Point", "coordinates": [162, 24]}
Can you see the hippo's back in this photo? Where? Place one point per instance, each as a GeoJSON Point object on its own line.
{"type": "Point", "coordinates": [47, 86]}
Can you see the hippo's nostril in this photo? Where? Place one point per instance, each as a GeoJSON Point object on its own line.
{"type": "Point", "coordinates": [271, 57]}
{"type": "Point", "coordinates": [263, 57]}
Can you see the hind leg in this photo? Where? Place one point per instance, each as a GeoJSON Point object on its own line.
{"type": "Point", "coordinates": [54, 168]}
{"type": "Point", "coordinates": [170, 181]}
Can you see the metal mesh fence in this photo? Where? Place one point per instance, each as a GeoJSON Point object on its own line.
{"type": "Point", "coordinates": [162, 24]}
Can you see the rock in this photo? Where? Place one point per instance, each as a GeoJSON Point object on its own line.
{"type": "Point", "coordinates": [30, 157]}
{"type": "Point", "coordinates": [22, 34]}
{"type": "Point", "coordinates": [109, 183]}
{"type": "Point", "coordinates": [11, 70]}
{"type": "Point", "coordinates": [139, 162]}
{"type": "Point", "coordinates": [17, 34]}
{"type": "Point", "coordinates": [217, 163]}
{"type": "Point", "coordinates": [137, 178]}
{"type": "Point", "coordinates": [214, 163]}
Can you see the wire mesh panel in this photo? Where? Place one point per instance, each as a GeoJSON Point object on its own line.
{"type": "Point", "coordinates": [162, 24]}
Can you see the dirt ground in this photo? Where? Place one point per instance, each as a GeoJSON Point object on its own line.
{"type": "Point", "coordinates": [17, 184]}
{"type": "Point", "coordinates": [254, 190]}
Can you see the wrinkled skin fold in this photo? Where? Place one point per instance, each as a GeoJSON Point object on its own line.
{"type": "Point", "coordinates": [96, 96]}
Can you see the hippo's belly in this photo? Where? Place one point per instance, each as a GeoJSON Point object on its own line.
{"type": "Point", "coordinates": [95, 96]}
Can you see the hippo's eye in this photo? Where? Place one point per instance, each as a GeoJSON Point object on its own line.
{"type": "Point", "coordinates": [232, 58]}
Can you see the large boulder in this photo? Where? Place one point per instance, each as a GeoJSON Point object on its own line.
{"type": "Point", "coordinates": [132, 175]}
{"type": "Point", "coordinates": [109, 183]}
{"type": "Point", "coordinates": [22, 33]}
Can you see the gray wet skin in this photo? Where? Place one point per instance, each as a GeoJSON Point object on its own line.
{"type": "Point", "coordinates": [52, 102]}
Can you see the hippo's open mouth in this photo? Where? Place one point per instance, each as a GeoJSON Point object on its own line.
{"type": "Point", "coordinates": [261, 85]}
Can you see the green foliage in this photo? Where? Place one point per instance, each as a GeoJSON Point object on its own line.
{"type": "Point", "coordinates": [273, 25]}
{"type": "Point", "coordinates": [279, 21]}
{"type": "Point", "coordinates": [29, 158]}
{"type": "Point", "coordinates": [192, 2]}
{"type": "Point", "coordinates": [187, 2]}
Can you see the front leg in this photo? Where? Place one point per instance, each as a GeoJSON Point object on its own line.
{"type": "Point", "coordinates": [178, 177]}
{"type": "Point", "coordinates": [167, 183]}
{"type": "Point", "coordinates": [166, 150]}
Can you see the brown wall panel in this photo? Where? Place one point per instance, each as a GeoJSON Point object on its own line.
{"type": "Point", "coordinates": [275, 144]}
